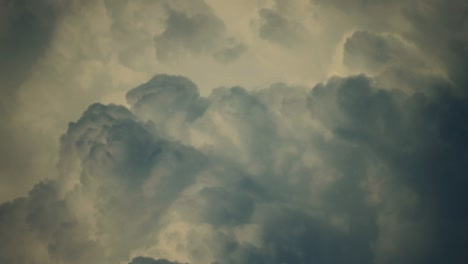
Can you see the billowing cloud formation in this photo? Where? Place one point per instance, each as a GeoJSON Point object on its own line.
{"type": "Point", "coordinates": [365, 167]}
{"type": "Point", "coordinates": [282, 175]}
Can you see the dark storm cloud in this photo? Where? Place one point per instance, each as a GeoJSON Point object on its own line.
{"type": "Point", "coordinates": [418, 138]}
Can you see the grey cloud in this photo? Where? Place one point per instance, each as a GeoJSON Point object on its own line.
{"type": "Point", "coordinates": [42, 228]}
{"type": "Point", "coordinates": [26, 30]}
{"type": "Point", "coordinates": [395, 62]}
{"type": "Point", "coordinates": [175, 28]}
{"type": "Point", "coordinates": [354, 170]}
{"type": "Point", "coordinates": [172, 92]}
{"type": "Point", "coordinates": [358, 5]}
{"type": "Point", "coordinates": [259, 191]}
{"type": "Point", "coordinates": [146, 260]}
{"type": "Point", "coordinates": [170, 30]}
{"type": "Point", "coordinates": [224, 207]}
{"type": "Point", "coordinates": [365, 50]}
{"type": "Point", "coordinates": [448, 21]}
{"type": "Point", "coordinates": [128, 176]}
{"type": "Point", "coordinates": [129, 173]}
{"type": "Point", "coordinates": [24, 23]}
{"type": "Point", "coordinates": [281, 29]}
{"type": "Point", "coordinates": [168, 102]}
{"type": "Point", "coordinates": [409, 135]}
{"type": "Point", "coordinates": [436, 27]}
{"type": "Point", "coordinates": [195, 33]}
{"type": "Point", "coordinates": [231, 51]}
{"type": "Point", "coordinates": [365, 122]}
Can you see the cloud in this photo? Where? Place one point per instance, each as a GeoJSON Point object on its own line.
{"type": "Point", "coordinates": [369, 51]}
{"type": "Point", "coordinates": [145, 260]}
{"type": "Point", "coordinates": [26, 31]}
{"type": "Point", "coordinates": [23, 23]}
{"type": "Point", "coordinates": [196, 34]}
{"type": "Point", "coordinates": [232, 51]}
{"type": "Point", "coordinates": [43, 228]}
{"type": "Point", "coordinates": [280, 29]}
{"type": "Point", "coordinates": [418, 22]}
{"type": "Point", "coordinates": [447, 21]}
{"type": "Point", "coordinates": [192, 32]}
{"type": "Point", "coordinates": [103, 165]}
{"type": "Point", "coordinates": [398, 129]}
{"type": "Point", "coordinates": [333, 190]}
{"type": "Point", "coordinates": [367, 167]}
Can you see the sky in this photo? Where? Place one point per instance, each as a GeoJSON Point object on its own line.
{"type": "Point", "coordinates": [225, 132]}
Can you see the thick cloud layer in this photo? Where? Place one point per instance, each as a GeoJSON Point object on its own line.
{"type": "Point", "coordinates": [366, 167]}
{"type": "Point", "coordinates": [282, 175]}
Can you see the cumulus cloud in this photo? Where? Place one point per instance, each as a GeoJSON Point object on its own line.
{"type": "Point", "coordinates": [356, 183]}
{"type": "Point", "coordinates": [367, 167]}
